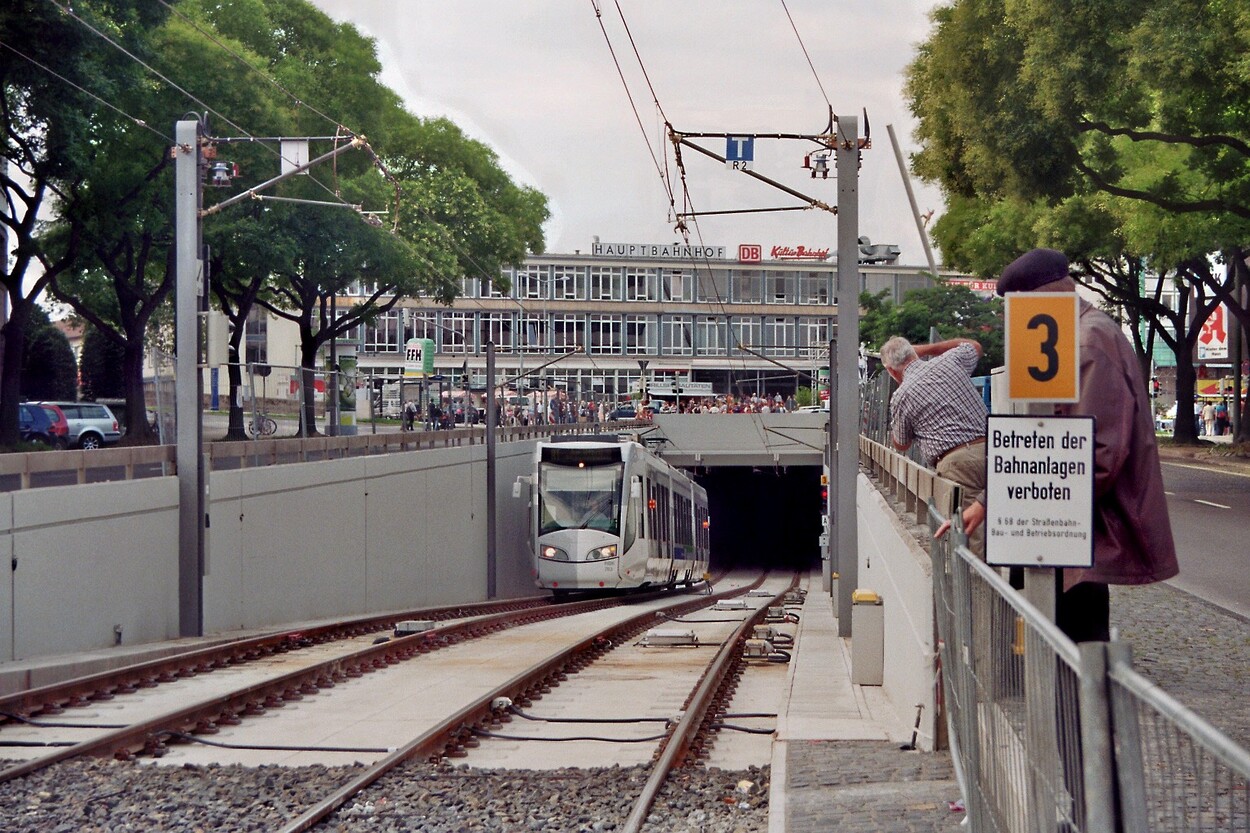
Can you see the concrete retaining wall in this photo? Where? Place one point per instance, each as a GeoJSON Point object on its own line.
{"type": "Point", "coordinates": [286, 544]}
{"type": "Point", "coordinates": [894, 564]}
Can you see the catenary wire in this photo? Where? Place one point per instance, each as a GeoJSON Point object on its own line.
{"type": "Point", "coordinates": [805, 55]}
{"type": "Point", "coordinates": [69, 12]}
{"type": "Point", "coordinates": [137, 121]}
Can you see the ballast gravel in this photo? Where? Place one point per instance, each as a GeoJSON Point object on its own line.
{"type": "Point", "coordinates": [93, 796]}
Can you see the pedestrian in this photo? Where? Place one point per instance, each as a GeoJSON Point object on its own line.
{"type": "Point", "coordinates": [938, 408]}
{"type": "Point", "coordinates": [1132, 533]}
{"type": "Point", "coordinates": [1221, 418]}
{"type": "Point", "coordinates": [410, 414]}
{"type": "Point", "coordinates": [1208, 419]}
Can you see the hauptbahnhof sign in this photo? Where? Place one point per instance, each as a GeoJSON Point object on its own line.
{"type": "Point", "coordinates": [1039, 491]}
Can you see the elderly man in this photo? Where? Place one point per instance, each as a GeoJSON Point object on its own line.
{"type": "Point", "coordinates": [1132, 534]}
{"type": "Point", "coordinates": [937, 407]}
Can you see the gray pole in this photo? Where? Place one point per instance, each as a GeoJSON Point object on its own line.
{"type": "Point", "coordinates": [491, 425]}
{"type": "Point", "coordinates": [911, 198]}
{"type": "Point", "coordinates": [846, 455]}
{"type": "Point", "coordinates": [191, 514]}
{"type": "Point", "coordinates": [831, 494]}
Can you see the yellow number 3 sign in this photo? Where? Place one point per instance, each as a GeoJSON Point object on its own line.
{"type": "Point", "coordinates": [1043, 351]}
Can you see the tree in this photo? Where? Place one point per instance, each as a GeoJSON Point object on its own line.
{"type": "Point", "coordinates": [1128, 112]}
{"type": "Point", "coordinates": [955, 311]}
{"type": "Point", "coordinates": [48, 367]}
{"type": "Point", "coordinates": [50, 131]}
{"type": "Point", "coordinates": [104, 372]}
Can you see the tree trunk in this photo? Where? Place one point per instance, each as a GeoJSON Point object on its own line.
{"type": "Point", "coordinates": [138, 430]}
{"type": "Point", "coordinates": [1185, 430]}
{"type": "Point", "coordinates": [14, 336]}
{"type": "Point", "coordinates": [308, 409]}
{"type": "Point", "coordinates": [234, 376]}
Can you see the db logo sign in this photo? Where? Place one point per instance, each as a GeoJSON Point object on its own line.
{"type": "Point", "coordinates": [750, 253]}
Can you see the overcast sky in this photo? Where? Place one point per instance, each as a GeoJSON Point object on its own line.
{"type": "Point", "coordinates": [536, 81]}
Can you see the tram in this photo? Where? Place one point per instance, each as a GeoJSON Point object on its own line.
{"type": "Point", "coordinates": [611, 515]}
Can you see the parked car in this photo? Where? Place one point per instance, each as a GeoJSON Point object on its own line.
{"type": "Point", "coordinates": [60, 425]}
{"type": "Point", "coordinates": [625, 412]}
{"type": "Point", "coordinates": [91, 425]}
{"type": "Point", "coordinates": [34, 424]}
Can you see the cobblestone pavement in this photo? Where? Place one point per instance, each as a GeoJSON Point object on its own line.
{"type": "Point", "coordinates": [869, 787]}
{"type": "Point", "coordinates": [1195, 651]}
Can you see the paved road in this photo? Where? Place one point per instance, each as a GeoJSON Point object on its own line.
{"type": "Point", "coordinates": [1209, 509]}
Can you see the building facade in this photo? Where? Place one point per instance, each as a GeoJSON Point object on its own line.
{"type": "Point", "coordinates": [693, 320]}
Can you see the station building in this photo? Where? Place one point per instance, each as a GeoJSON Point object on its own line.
{"type": "Point", "coordinates": [693, 320]}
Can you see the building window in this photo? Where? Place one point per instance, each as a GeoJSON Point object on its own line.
{"type": "Point", "coordinates": [815, 287]}
{"type": "Point", "coordinates": [677, 335]}
{"type": "Point", "coordinates": [813, 338]}
{"type": "Point", "coordinates": [456, 333]}
{"type": "Point", "coordinates": [256, 336]}
{"type": "Point", "coordinates": [531, 283]}
{"type": "Point", "coordinates": [711, 335]}
{"type": "Point", "coordinates": [605, 283]}
{"type": "Point", "coordinates": [352, 334]}
{"type": "Point", "coordinates": [567, 331]}
{"type": "Point", "coordinates": [533, 335]}
{"type": "Point", "coordinates": [745, 331]}
{"type": "Point", "coordinates": [640, 335]}
{"type": "Point", "coordinates": [640, 284]}
{"type": "Point", "coordinates": [748, 286]}
{"type": "Point", "coordinates": [676, 285]}
{"type": "Point", "coordinates": [491, 289]}
{"type": "Point", "coordinates": [713, 285]}
{"type": "Point", "coordinates": [421, 324]}
{"type": "Point", "coordinates": [779, 336]}
{"type": "Point", "coordinates": [568, 283]}
{"type": "Point", "coordinates": [780, 287]}
{"type": "Point", "coordinates": [382, 334]}
{"type": "Point", "coordinates": [496, 327]}
{"type": "Point", "coordinates": [604, 335]}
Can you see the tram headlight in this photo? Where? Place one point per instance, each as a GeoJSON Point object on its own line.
{"type": "Point", "coordinates": [553, 553]}
{"type": "Point", "coordinates": [602, 553]}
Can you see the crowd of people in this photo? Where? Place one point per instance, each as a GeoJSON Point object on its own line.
{"type": "Point", "coordinates": [1211, 419]}
{"type": "Point", "coordinates": [562, 410]}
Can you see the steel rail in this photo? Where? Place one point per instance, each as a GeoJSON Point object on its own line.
{"type": "Point", "coordinates": [54, 697]}
{"type": "Point", "coordinates": [520, 686]}
{"type": "Point", "coordinates": [253, 699]}
{"type": "Point", "coordinates": [674, 750]}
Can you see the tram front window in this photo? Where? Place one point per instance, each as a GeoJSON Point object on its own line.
{"type": "Point", "coordinates": [580, 497]}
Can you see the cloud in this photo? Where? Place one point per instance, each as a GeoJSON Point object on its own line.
{"type": "Point", "coordinates": [536, 81]}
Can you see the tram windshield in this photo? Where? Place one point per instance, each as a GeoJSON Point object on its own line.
{"type": "Point", "coordinates": [580, 496]}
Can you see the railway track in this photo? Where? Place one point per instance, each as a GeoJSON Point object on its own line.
{"type": "Point", "coordinates": [481, 709]}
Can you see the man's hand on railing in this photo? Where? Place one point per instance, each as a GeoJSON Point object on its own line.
{"type": "Point", "coordinates": [973, 517]}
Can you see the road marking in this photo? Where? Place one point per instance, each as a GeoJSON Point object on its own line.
{"type": "Point", "coordinates": [1209, 503]}
{"type": "Point", "coordinates": [1215, 469]}
{"type": "Point", "coordinates": [1169, 494]}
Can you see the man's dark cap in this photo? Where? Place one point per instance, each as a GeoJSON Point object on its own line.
{"type": "Point", "coordinates": [1033, 269]}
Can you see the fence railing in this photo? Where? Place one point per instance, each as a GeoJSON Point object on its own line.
{"type": "Point", "coordinates": [1048, 735]}
{"type": "Point", "coordinates": [36, 469]}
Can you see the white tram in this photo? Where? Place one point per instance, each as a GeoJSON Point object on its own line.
{"type": "Point", "coordinates": [613, 516]}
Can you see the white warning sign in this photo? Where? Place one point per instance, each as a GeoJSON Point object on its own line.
{"type": "Point", "coordinates": [1039, 494]}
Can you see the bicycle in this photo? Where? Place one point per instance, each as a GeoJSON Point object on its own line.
{"type": "Point", "coordinates": [262, 426]}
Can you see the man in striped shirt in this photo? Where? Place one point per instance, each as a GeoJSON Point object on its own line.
{"type": "Point", "coordinates": [937, 407]}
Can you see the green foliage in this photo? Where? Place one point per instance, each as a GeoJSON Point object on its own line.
{"type": "Point", "coordinates": [955, 311]}
{"type": "Point", "coordinates": [102, 367]}
{"type": "Point", "coordinates": [48, 367]}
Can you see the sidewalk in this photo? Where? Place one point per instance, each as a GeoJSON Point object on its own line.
{"type": "Point", "coordinates": [837, 762]}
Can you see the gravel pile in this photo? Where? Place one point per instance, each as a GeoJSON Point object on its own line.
{"type": "Point", "coordinates": [101, 795]}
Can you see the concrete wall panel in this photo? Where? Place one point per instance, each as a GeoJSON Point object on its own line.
{"type": "Point", "coordinates": [894, 564]}
{"type": "Point", "coordinates": [92, 558]}
{"type": "Point", "coordinates": [6, 587]}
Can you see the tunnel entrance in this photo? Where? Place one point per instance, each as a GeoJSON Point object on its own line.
{"type": "Point", "coordinates": [764, 517]}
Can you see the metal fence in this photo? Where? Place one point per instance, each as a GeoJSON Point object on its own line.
{"type": "Point", "coordinates": [1051, 736]}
